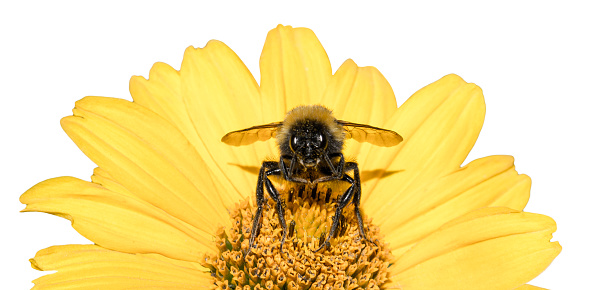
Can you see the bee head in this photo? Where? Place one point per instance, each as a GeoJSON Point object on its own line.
{"type": "Point", "coordinates": [308, 141]}
{"type": "Point", "coordinates": [308, 132]}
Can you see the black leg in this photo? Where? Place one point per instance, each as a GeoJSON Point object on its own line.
{"type": "Point", "coordinates": [356, 199]}
{"type": "Point", "coordinates": [341, 203]}
{"type": "Point", "coordinates": [336, 172]}
{"type": "Point", "coordinates": [274, 194]}
{"type": "Point", "coordinates": [287, 173]}
{"type": "Point", "coordinates": [353, 193]}
{"type": "Point", "coordinates": [292, 165]}
{"type": "Point", "coordinates": [264, 181]}
{"type": "Point", "coordinates": [259, 204]}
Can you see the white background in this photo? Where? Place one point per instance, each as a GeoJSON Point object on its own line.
{"type": "Point", "coordinates": [534, 61]}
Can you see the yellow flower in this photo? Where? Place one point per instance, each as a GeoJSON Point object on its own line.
{"type": "Point", "coordinates": [165, 185]}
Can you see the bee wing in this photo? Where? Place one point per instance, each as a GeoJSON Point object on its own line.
{"type": "Point", "coordinates": [374, 135]}
{"type": "Point", "coordinates": [251, 135]}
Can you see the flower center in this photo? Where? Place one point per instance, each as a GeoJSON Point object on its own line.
{"type": "Point", "coordinates": [348, 263]}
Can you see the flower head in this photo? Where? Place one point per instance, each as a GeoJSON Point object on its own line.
{"type": "Point", "coordinates": [169, 205]}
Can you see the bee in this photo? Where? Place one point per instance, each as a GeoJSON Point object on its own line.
{"type": "Point", "coordinates": [310, 142]}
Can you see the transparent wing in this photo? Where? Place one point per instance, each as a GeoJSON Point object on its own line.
{"type": "Point", "coordinates": [374, 135]}
{"type": "Point", "coordinates": [250, 135]}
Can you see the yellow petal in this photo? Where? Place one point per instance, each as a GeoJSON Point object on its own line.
{"type": "Point", "coordinates": [93, 267]}
{"type": "Point", "coordinates": [360, 95]}
{"type": "Point", "coordinates": [212, 80]}
{"type": "Point", "coordinates": [221, 96]}
{"type": "Point", "coordinates": [439, 125]}
{"type": "Point", "coordinates": [491, 248]}
{"type": "Point", "coordinates": [117, 221]}
{"type": "Point", "coordinates": [490, 181]}
{"type": "Point", "coordinates": [295, 70]}
{"type": "Point", "coordinates": [161, 93]}
{"type": "Point", "coordinates": [103, 178]}
{"type": "Point", "coordinates": [149, 157]}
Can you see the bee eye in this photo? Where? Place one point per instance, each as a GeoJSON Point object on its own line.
{"type": "Point", "coordinates": [321, 139]}
{"type": "Point", "coordinates": [294, 142]}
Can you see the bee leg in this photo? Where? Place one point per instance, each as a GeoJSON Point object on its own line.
{"type": "Point", "coordinates": [339, 170]}
{"type": "Point", "coordinates": [287, 173]}
{"type": "Point", "coordinates": [256, 223]}
{"type": "Point", "coordinates": [356, 199]}
{"type": "Point", "coordinates": [274, 194]}
{"type": "Point", "coordinates": [336, 172]}
{"type": "Point", "coordinates": [341, 203]}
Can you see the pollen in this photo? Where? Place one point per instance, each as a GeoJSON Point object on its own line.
{"type": "Point", "coordinates": [349, 262]}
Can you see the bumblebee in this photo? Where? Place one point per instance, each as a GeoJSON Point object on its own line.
{"type": "Point", "coordinates": [310, 142]}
